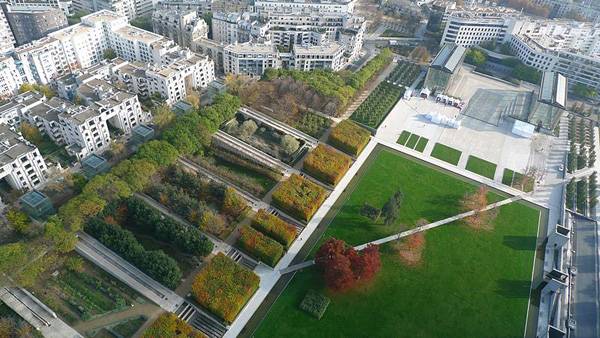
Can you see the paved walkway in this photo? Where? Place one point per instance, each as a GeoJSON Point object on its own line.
{"type": "Point", "coordinates": [124, 271]}
{"type": "Point", "coordinates": [36, 313]}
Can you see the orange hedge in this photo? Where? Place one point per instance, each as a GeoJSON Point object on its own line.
{"type": "Point", "coordinates": [327, 164]}
{"type": "Point", "coordinates": [224, 287]}
{"type": "Point", "coordinates": [260, 246]}
{"type": "Point", "coordinates": [274, 227]}
{"type": "Point", "coordinates": [168, 325]}
{"type": "Point", "coordinates": [349, 137]}
{"type": "Point", "coordinates": [299, 197]}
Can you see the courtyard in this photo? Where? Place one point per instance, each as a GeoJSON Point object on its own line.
{"type": "Point", "coordinates": [469, 283]}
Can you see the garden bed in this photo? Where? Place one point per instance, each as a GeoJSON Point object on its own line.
{"type": "Point", "coordinates": [313, 124]}
{"type": "Point", "coordinates": [271, 141]}
{"type": "Point", "coordinates": [349, 137]}
{"type": "Point", "coordinates": [299, 197]}
{"type": "Point", "coordinates": [260, 246]}
{"type": "Point", "coordinates": [327, 164]}
{"type": "Point", "coordinates": [377, 105]}
{"type": "Point", "coordinates": [404, 74]}
{"type": "Point", "coordinates": [223, 287]}
{"type": "Point", "coordinates": [274, 227]}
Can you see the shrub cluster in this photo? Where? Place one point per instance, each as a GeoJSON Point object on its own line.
{"type": "Point", "coordinates": [155, 263]}
{"type": "Point", "coordinates": [168, 325]}
{"type": "Point", "coordinates": [260, 246]}
{"type": "Point", "coordinates": [189, 240]}
{"type": "Point", "coordinates": [349, 137]}
{"type": "Point", "coordinates": [224, 287]}
{"type": "Point", "coordinates": [299, 197]}
{"type": "Point", "coordinates": [327, 164]}
{"type": "Point", "coordinates": [274, 227]}
{"type": "Point", "coordinates": [315, 304]}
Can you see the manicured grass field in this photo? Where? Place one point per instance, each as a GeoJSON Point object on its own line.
{"type": "Point", "coordinates": [481, 167]}
{"type": "Point", "coordinates": [403, 137]}
{"type": "Point", "coordinates": [446, 154]}
{"type": "Point", "coordinates": [470, 283]}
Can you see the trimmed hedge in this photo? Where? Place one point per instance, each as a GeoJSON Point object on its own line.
{"type": "Point", "coordinates": [299, 197]}
{"type": "Point", "coordinates": [223, 287]}
{"type": "Point", "coordinates": [260, 246]}
{"type": "Point", "coordinates": [349, 137]}
{"type": "Point", "coordinates": [275, 227]}
{"type": "Point", "coordinates": [315, 304]}
{"type": "Point", "coordinates": [155, 263]}
{"type": "Point", "coordinates": [327, 164]}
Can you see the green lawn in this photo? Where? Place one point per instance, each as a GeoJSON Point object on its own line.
{"type": "Point", "coordinates": [470, 284]}
{"type": "Point", "coordinates": [403, 137]}
{"type": "Point", "coordinates": [412, 141]}
{"type": "Point", "coordinates": [507, 177]}
{"type": "Point", "coordinates": [421, 144]}
{"type": "Point", "coordinates": [446, 154]}
{"type": "Point", "coordinates": [481, 167]}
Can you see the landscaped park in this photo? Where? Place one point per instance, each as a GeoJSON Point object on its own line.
{"type": "Point", "coordinates": [461, 282]}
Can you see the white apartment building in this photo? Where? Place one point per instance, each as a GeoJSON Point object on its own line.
{"type": "Point", "coordinates": [7, 39]}
{"type": "Point", "coordinates": [10, 78]}
{"type": "Point", "coordinates": [181, 26]}
{"type": "Point", "coordinates": [228, 28]}
{"type": "Point", "coordinates": [200, 6]}
{"type": "Point", "coordinates": [320, 6]}
{"type": "Point", "coordinates": [308, 58]}
{"type": "Point", "coordinates": [250, 58]}
{"type": "Point", "coordinates": [84, 131]}
{"type": "Point", "coordinates": [470, 28]}
{"type": "Point", "coordinates": [125, 8]}
{"type": "Point", "coordinates": [173, 82]}
{"type": "Point", "coordinates": [21, 163]}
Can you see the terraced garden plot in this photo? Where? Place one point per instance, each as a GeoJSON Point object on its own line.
{"type": "Point", "coordinates": [379, 103]}
{"type": "Point", "coordinates": [412, 141]}
{"type": "Point", "coordinates": [446, 154]}
{"type": "Point", "coordinates": [404, 74]}
{"type": "Point", "coordinates": [481, 167]}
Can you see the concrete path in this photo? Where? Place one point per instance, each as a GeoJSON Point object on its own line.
{"type": "Point", "coordinates": [36, 313]}
{"type": "Point", "coordinates": [121, 269]}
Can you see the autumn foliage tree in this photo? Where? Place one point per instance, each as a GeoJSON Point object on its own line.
{"type": "Point", "coordinates": [168, 325]}
{"type": "Point", "coordinates": [477, 201]}
{"type": "Point", "coordinates": [343, 267]}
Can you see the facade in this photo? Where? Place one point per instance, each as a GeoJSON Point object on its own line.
{"type": "Point", "coordinates": [64, 5]}
{"type": "Point", "coordinates": [561, 46]}
{"type": "Point", "coordinates": [21, 163]}
{"type": "Point", "coordinates": [181, 26]}
{"type": "Point", "coordinates": [125, 8]}
{"type": "Point", "coordinates": [228, 28]}
{"type": "Point", "coordinates": [32, 23]}
{"type": "Point", "coordinates": [200, 6]}
{"type": "Point", "coordinates": [250, 59]}
{"type": "Point", "coordinates": [322, 7]}
{"type": "Point", "coordinates": [308, 58]}
{"type": "Point", "coordinates": [10, 78]}
{"type": "Point", "coordinates": [7, 39]}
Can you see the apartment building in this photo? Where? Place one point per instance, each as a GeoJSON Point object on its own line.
{"type": "Point", "coordinates": [7, 39]}
{"type": "Point", "coordinates": [200, 6]}
{"type": "Point", "coordinates": [21, 163]}
{"type": "Point", "coordinates": [250, 58]}
{"type": "Point", "coordinates": [300, 7]}
{"type": "Point", "coordinates": [172, 82]}
{"type": "Point", "coordinates": [30, 23]}
{"type": "Point", "coordinates": [10, 78]}
{"type": "Point", "coordinates": [308, 58]}
{"type": "Point", "coordinates": [126, 8]}
{"type": "Point", "coordinates": [181, 26]}
{"type": "Point", "coordinates": [228, 28]}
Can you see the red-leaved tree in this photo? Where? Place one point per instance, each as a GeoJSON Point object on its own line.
{"type": "Point", "coordinates": [343, 267]}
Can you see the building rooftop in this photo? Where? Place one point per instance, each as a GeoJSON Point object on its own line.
{"type": "Point", "coordinates": [12, 145]}
{"type": "Point", "coordinates": [101, 16]}
{"type": "Point", "coordinates": [258, 48]}
{"type": "Point", "coordinates": [33, 198]}
{"type": "Point", "coordinates": [449, 58]}
{"type": "Point", "coordinates": [330, 48]}
{"type": "Point", "coordinates": [134, 33]}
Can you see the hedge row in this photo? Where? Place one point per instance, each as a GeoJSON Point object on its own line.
{"type": "Point", "coordinates": [327, 164]}
{"type": "Point", "coordinates": [299, 197]}
{"type": "Point", "coordinates": [155, 263]}
{"type": "Point", "coordinates": [274, 227]}
{"type": "Point", "coordinates": [260, 246]}
{"type": "Point", "coordinates": [349, 137]}
{"type": "Point", "coordinates": [224, 287]}
{"type": "Point", "coordinates": [189, 240]}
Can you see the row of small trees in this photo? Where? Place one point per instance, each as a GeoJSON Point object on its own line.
{"type": "Point", "coordinates": [582, 195]}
